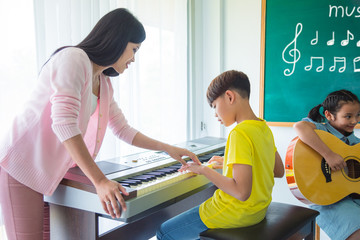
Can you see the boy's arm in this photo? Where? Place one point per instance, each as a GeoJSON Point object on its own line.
{"type": "Point", "coordinates": [239, 186]}
{"type": "Point", "coordinates": [305, 131]}
{"type": "Point", "coordinates": [279, 166]}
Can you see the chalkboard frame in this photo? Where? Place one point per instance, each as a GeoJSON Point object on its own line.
{"type": "Point", "coordinates": [262, 67]}
{"type": "Point", "coordinates": [262, 71]}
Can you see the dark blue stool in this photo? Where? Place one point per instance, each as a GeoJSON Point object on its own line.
{"type": "Point", "coordinates": [282, 221]}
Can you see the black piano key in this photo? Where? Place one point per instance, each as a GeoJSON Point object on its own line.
{"type": "Point", "coordinates": [172, 169]}
{"type": "Point", "coordinates": [148, 176]}
{"type": "Point", "coordinates": [161, 173]}
{"type": "Point", "coordinates": [176, 167]}
{"type": "Point", "coordinates": [204, 158]}
{"type": "Point", "coordinates": [125, 185]}
{"type": "Point", "coordinates": [218, 153]}
{"type": "Point", "coordinates": [166, 170]}
{"type": "Point", "coordinates": [144, 178]}
{"type": "Point", "coordinates": [156, 174]}
{"type": "Point", "coordinates": [131, 182]}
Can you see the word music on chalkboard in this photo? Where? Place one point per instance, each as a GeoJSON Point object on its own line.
{"type": "Point", "coordinates": [309, 49]}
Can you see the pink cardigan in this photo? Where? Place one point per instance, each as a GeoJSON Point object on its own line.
{"type": "Point", "coordinates": [60, 108]}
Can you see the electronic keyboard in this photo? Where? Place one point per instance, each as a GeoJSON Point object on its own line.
{"type": "Point", "coordinates": [151, 178]}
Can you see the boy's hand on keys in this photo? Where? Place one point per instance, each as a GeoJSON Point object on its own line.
{"type": "Point", "coordinates": [216, 162]}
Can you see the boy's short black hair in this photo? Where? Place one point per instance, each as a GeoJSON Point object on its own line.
{"type": "Point", "coordinates": [229, 80]}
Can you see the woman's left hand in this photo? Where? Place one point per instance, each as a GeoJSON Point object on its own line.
{"type": "Point", "coordinates": [177, 154]}
{"type": "Point", "coordinates": [109, 193]}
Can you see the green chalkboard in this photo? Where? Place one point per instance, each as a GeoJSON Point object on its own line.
{"type": "Point", "coordinates": [296, 34]}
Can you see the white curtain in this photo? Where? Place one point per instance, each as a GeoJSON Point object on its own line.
{"type": "Point", "coordinates": [152, 93]}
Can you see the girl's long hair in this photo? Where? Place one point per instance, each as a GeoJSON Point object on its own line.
{"type": "Point", "coordinates": [333, 102]}
{"type": "Point", "coordinates": [108, 39]}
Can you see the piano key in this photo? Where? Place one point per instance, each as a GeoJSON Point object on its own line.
{"type": "Point", "coordinates": [125, 185]}
{"type": "Point", "coordinates": [204, 158]}
{"type": "Point", "coordinates": [175, 177]}
{"type": "Point", "coordinates": [218, 153]}
{"type": "Point", "coordinates": [156, 174]}
{"type": "Point", "coordinates": [166, 170]}
{"type": "Point", "coordinates": [175, 166]}
{"type": "Point", "coordinates": [144, 178]}
{"type": "Point", "coordinates": [132, 183]}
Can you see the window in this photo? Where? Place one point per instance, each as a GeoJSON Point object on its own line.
{"type": "Point", "coordinates": [17, 63]}
{"type": "Point", "coordinates": [153, 93]}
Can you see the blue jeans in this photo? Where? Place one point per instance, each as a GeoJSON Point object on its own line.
{"type": "Point", "coordinates": [187, 226]}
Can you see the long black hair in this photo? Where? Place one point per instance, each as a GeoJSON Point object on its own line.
{"type": "Point", "coordinates": [108, 39]}
{"type": "Point", "coordinates": [333, 102]}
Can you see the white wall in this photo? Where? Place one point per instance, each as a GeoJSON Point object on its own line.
{"type": "Point", "coordinates": [242, 52]}
{"type": "Point", "coordinates": [240, 23]}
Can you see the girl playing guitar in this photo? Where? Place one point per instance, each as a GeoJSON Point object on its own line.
{"type": "Point", "coordinates": [342, 112]}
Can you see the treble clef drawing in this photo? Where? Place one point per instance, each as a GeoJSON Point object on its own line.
{"type": "Point", "coordinates": [294, 52]}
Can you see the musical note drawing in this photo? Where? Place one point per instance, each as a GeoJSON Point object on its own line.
{"type": "Point", "coordinates": [339, 60]}
{"type": "Point", "coordinates": [294, 53]}
{"type": "Point", "coordinates": [315, 40]}
{"type": "Point", "coordinates": [358, 44]}
{"type": "Point", "coordinates": [350, 36]}
{"type": "Point", "coordinates": [313, 59]}
{"type": "Point", "coordinates": [357, 62]}
{"type": "Point", "coordinates": [331, 41]}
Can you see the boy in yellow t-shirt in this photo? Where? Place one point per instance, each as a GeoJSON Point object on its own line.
{"type": "Point", "coordinates": [249, 166]}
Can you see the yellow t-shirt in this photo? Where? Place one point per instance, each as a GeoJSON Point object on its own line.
{"type": "Point", "coordinates": [251, 142]}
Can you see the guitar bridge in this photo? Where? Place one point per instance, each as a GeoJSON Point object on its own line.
{"type": "Point", "coordinates": [326, 170]}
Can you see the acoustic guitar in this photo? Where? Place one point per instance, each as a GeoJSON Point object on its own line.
{"type": "Point", "coordinates": [310, 178]}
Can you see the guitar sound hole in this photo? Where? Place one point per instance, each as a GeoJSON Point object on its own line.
{"type": "Point", "coordinates": [353, 169]}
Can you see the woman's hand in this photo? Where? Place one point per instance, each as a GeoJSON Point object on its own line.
{"type": "Point", "coordinates": [109, 193]}
{"type": "Point", "coordinates": [177, 154]}
{"type": "Point", "coordinates": [140, 140]}
{"type": "Point", "coordinates": [217, 162]}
